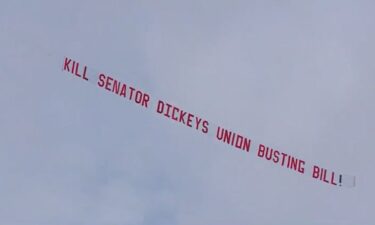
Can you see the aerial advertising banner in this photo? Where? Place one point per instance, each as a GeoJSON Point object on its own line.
{"type": "Point", "coordinates": [234, 140]}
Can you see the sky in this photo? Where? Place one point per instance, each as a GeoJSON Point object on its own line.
{"type": "Point", "coordinates": [296, 75]}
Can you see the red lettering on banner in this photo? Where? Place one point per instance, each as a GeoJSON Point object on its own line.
{"type": "Point", "coordinates": [116, 87]}
{"type": "Point", "coordinates": [74, 69]}
{"type": "Point", "coordinates": [167, 111]}
{"type": "Point", "coordinates": [131, 93]}
{"type": "Point", "coordinates": [160, 107]}
{"type": "Point", "coordinates": [120, 89]}
{"type": "Point", "coordinates": [109, 83]}
{"type": "Point", "coordinates": [180, 116]}
{"type": "Point", "coordinates": [231, 138]}
{"type": "Point", "coordinates": [322, 174]}
{"type": "Point", "coordinates": [197, 122]}
{"type": "Point", "coordinates": [76, 72]}
{"type": "Point", "coordinates": [123, 91]}
{"type": "Point", "coordinates": [205, 128]}
{"type": "Point", "coordinates": [174, 111]}
{"type": "Point", "coordinates": [101, 80]}
{"type": "Point", "coordinates": [333, 178]}
{"type": "Point", "coordinates": [138, 97]}
{"type": "Point", "coordinates": [66, 64]}
{"type": "Point", "coordinates": [261, 150]}
{"type": "Point", "coordinates": [316, 172]}
{"type": "Point", "coordinates": [301, 166]}
{"type": "Point", "coordinates": [274, 156]}
{"type": "Point", "coordinates": [190, 120]}
{"type": "Point", "coordinates": [239, 141]}
{"type": "Point", "coordinates": [284, 155]}
{"type": "Point", "coordinates": [84, 76]}
{"type": "Point", "coordinates": [227, 135]}
{"type": "Point", "coordinates": [325, 176]}
{"type": "Point", "coordinates": [146, 99]}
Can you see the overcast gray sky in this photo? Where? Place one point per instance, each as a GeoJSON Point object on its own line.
{"type": "Point", "coordinates": [296, 75]}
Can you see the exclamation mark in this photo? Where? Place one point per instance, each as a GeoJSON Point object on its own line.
{"type": "Point", "coordinates": [340, 180]}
